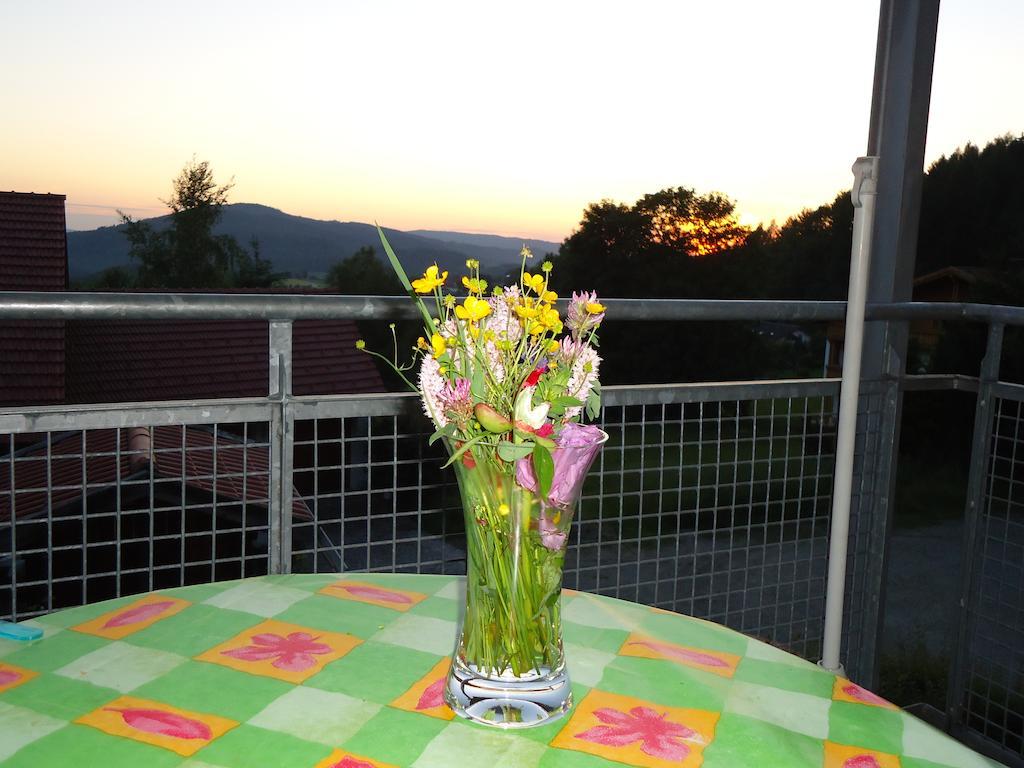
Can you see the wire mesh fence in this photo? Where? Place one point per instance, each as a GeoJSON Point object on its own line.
{"type": "Point", "coordinates": [992, 697]}
{"type": "Point", "coordinates": [92, 514]}
{"type": "Point", "coordinates": [716, 507]}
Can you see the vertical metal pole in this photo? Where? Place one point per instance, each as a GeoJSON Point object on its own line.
{"type": "Point", "coordinates": [282, 440]}
{"type": "Point", "coordinates": [899, 123]}
{"type": "Point", "coordinates": [980, 447]}
{"type": "Point", "coordinates": [865, 172]}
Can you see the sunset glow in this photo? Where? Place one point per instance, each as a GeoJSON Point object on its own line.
{"type": "Point", "coordinates": [462, 116]}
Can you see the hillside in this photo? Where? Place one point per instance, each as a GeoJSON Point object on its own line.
{"type": "Point", "coordinates": [302, 246]}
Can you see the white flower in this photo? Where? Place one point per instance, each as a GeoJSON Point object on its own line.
{"type": "Point", "coordinates": [432, 385]}
{"type": "Point", "coordinates": [524, 412]}
{"type": "Point", "coordinates": [585, 362]}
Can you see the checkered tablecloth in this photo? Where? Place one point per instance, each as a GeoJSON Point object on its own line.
{"type": "Point", "coordinates": [326, 671]}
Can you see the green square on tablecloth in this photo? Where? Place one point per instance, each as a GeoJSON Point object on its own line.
{"type": "Point", "coordinates": [56, 651]}
{"type": "Point", "coordinates": [916, 762]}
{"type": "Point", "coordinates": [693, 633]}
{"type": "Point", "coordinates": [196, 593]}
{"type": "Point", "coordinates": [59, 696]}
{"type": "Point", "coordinates": [395, 736]}
{"type": "Point", "coordinates": [810, 680]}
{"type": "Point", "coordinates": [248, 747]}
{"type": "Point", "coordinates": [664, 682]}
{"type": "Point", "coordinates": [193, 630]}
{"type": "Point", "coordinates": [461, 744]}
{"type": "Point", "coordinates": [374, 671]}
{"type": "Point", "coordinates": [609, 640]}
{"type": "Point", "coordinates": [211, 688]}
{"type": "Point", "coordinates": [567, 758]}
{"type": "Point", "coordinates": [864, 725]}
{"type": "Point", "coordinates": [335, 615]}
{"type": "Point", "coordinates": [604, 612]}
{"type": "Point", "coordinates": [742, 741]}
{"type": "Point", "coordinates": [81, 745]}
{"type": "Point", "coordinates": [438, 607]}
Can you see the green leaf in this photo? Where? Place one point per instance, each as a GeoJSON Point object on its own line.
{"type": "Point", "coordinates": [543, 468]}
{"type": "Point", "coordinates": [448, 430]}
{"type": "Point", "coordinates": [512, 451]}
{"type": "Point", "coordinates": [396, 265]}
{"type": "Point", "coordinates": [566, 402]}
{"type": "Point", "coordinates": [594, 403]}
{"type": "Point", "coordinates": [478, 384]}
{"type": "Point", "coordinates": [465, 447]}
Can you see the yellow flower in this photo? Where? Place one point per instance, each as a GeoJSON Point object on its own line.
{"type": "Point", "coordinates": [474, 284]}
{"type": "Point", "coordinates": [438, 344]}
{"type": "Point", "coordinates": [360, 344]}
{"type": "Point", "coordinates": [553, 347]}
{"type": "Point", "coordinates": [503, 509]}
{"type": "Point", "coordinates": [421, 343]}
{"type": "Point", "coordinates": [472, 264]}
{"type": "Point", "coordinates": [546, 266]}
{"type": "Point", "coordinates": [526, 310]}
{"type": "Point", "coordinates": [536, 282]}
{"type": "Point", "coordinates": [430, 280]}
{"type": "Point", "coordinates": [473, 309]}
{"type": "Point", "coordinates": [549, 296]}
{"type": "Point", "coordinates": [550, 319]}
{"type": "Point", "coordinates": [594, 308]}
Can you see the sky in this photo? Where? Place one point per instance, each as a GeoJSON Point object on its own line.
{"type": "Point", "coordinates": [507, 118]}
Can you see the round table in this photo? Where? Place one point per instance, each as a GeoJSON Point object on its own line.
{"type": "Point", "coordinates": [346, 671]}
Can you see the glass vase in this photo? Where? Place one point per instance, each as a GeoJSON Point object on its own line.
{"type": "Point", "coordinates": [508, 668]}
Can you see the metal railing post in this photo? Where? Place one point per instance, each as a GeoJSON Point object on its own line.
{"type": "Point", "coordinates": [980, 447]}
{"type": "Point", "coordinates": [282, 447]}
{"type": "Point", "coordinates": [863, 195]}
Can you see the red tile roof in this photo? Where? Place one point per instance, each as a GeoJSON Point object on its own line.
{"type": "Point", "coordinates": [112, 361]}
{"type": "Point", "coordinates": [33, 257]}
{"type": "Point", "coordinates": [240, 471]}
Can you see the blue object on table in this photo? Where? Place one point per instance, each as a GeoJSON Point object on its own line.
{"type": "Point", "coordinates": [13, 631]}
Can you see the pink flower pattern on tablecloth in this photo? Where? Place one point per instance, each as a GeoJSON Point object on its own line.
{"type": "Point", "coordinates": [138, 614]}
{"type": "Point", "coordinates": [683, 654]}
{"type": "Point", "coordinates": [373, 593]}
{"type": "Point", "coordinates": [164, 723]}
{"type": "Point", "coordinates": [433, 696]}
{"type": "Point", "coordinates": [293, 653]}
{"type": "Point", "coordinates": [658, 736]}
{"type": "Point", "coordinates": [861, 761]}
{"type": "Point", "coordinates": [854, 691]}
{"type": "Point", "coordinates": [8, 676]}
{"type": "Point", "coordinates": [350, 762]}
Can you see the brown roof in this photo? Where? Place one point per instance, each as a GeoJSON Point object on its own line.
{"type": "Point", "coordinates": [33, 257]}
{"type": "Point", "coordinates": [112, 361]}
{"type": "Point", "coordinates": [82, 463]}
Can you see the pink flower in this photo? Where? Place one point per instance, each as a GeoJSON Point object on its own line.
{"type": "Point", "coordinates": [432, 384]}
{"type": "Point", "coordinates": [551, 536]}
{"type": "Point", "coordinates": [293, 653]}
{"type": "Point", "coordinates": [658, 736]}
{"type": "Point", "coordinates": [583, 362]}
{"type": "Point", "coordinates": [580, 319]}
{"type": "Point", "coordinates": [575, 450]}
{"type": "Point", "coordinates": [861, 761]}
{"type": "Point", "coordinates": [455, 399]}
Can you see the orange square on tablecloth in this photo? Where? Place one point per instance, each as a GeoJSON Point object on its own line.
{"type": "Point", "coordinates": [361, 592]}
{"type": "Point", "coordinates": [12, 676]}
{"type": "Point", "coordinates": [427, 694]}
{"type": "Point", "coordinates": [341, 759]}
{"type": "Point", "coordinates": [128, 619]}
{"type": "Point", "coordinates": [276, 649]}
{"type": "Point", "coordinates": [847, 690]}
{"type": "Point", "coordinates": [152, 722]}
{"type": "Point", "coordinates": [638, 732]}
{"type": "Point", "coordinates": [842, 756]}
{"type": "Point", "coordinates": [715, 662]}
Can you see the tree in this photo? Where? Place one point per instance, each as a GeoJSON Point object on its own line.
{"type": "Point", "coordinates": [186, 254]}
{"type": "Point", "coordinates": [362, 273]}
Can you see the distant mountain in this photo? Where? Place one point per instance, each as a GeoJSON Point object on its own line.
{"type": "Point", "coordinates": [456, 239]}
{"type": "Point", "coordinates": [301, 246]}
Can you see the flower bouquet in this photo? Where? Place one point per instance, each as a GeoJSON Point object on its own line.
{"type": "Point", "coordinates": [506, 381]}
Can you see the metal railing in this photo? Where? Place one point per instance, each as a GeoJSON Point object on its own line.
{"type": "Point", "coordinates": [712, 499]}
